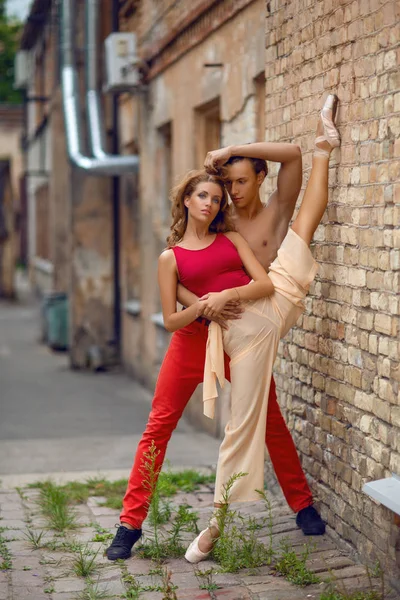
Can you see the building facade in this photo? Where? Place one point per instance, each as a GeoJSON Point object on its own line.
{"type": "Point", "coordinates": [11, 170]}
{"type": "Point", "coordinates": [220, 72]}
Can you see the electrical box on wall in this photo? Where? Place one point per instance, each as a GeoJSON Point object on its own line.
{"type": "Point", "coordinates": [122, 72]}
{"type": "Point", "coordinates": [21, 70]}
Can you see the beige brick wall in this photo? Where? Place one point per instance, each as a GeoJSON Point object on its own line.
{"type": "Point", "coordinates": [338, 372]}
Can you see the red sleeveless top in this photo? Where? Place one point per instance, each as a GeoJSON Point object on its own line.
{"type": "Point", "coordinates": [212, 269]}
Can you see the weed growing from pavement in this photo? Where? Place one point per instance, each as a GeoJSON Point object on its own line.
{"type": "Point", "coordinates": [84, 561]}
{"type": "Point", "coordinates": [35, 538]}
{"type": "Point", "coordinates": [336, 595]}
{"type": "Point", "coordinates": [134, 589]}
{"type": "Point", "coordinates": [5, 554]}
{"type": "Point", "coordinates": [54, 504]}
{"type": "Point", "coordinates": [93, 591]}
{"type": "Point", "coordinates": [336, 590]}
{"type": "Point", "coordinates": [170, 483]}
{"type": "Point", "coordinates": [205, 579]}
{"type": "Point", "coordinates": [237, 546]}
{"type": "Point", "coordinates": [167, 543]}
{"type": "Point", "coordinates": [168, 588]}
{"type": "Point", "coordinates": [102, 535]}
{"type": "Point", "coordinates": [293, 567]}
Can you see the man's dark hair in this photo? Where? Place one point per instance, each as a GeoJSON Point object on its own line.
{"type": "Point", "coordinates": [259, 164]}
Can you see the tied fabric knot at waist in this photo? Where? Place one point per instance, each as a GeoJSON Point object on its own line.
{"type": "Point", "coordinates": [214, 369]}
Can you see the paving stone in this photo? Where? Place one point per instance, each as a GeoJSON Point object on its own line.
{"type": "Point", "coordinates": [190, 594]}
{"type": "Point", "coordinates": [319, 565]}
{"type": "Point", "coordinates": [233, 593]}
{"type": "Point", "coordinates": [114, 588]}
{"type": "Point", "coordinates": [10, 514]}
{"type": "Point", "coordinates": [28, 578]}
{"type": "Point", "coordinates": [102, 511]}
{"type": "Point", "coordinates": [69, 585]}
{"type": "Point", "coordinates": [86, 536]}
{"type": "Point", "coordinates": [19, 548]}
{"type": "Point", "coordinates": [14, 535]}
{"type": "Point", "coordinates": [252, 581]}
{"type": "Point", "coordinates": [292, 594]}
{"type": "Point", "coordinates": [349, 572]}
{"type": "Point", "coordinates": [31, 593]}
{"type": "Point", "coordinates": [154, 596]}
{"type": "Point", "coordinates": [27, 563]}
{"type": "Point", "coordinates": [139, 566]}
{"type": "Point", "coordinates": [177, 565]}
{"type": "Point", "coordinates": [108, 522]}
{"type": "Point", "coordinates": [226, 579]}
{"type": "Point", "coordinates": [4, 591]}
{"type": "Point", "coordinates": [183, 580]}
{"type": "Point", "coordinates": [10, 501]}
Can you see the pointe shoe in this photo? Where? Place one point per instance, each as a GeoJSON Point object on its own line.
{"type": "Point", "coordinates": [193, 553]}
{"type": "Point", "coordinates": [331, 134]}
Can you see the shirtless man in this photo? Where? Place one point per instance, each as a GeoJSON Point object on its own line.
{"type": "Point", "coordinates": [264, 226]}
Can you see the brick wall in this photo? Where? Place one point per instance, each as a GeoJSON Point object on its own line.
{"type": "Point", "coordinates": [338, 372]}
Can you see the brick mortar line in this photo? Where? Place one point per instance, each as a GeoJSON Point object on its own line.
{"type": "Point", "coordinates": [329, 14]}
{"type": "Point", "coordinates": [343, 46]}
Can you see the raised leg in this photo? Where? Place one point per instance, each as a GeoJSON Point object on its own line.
{"type": "Point", "coordinates": [315, 197]}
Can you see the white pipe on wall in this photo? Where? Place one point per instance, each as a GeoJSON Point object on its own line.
{"type": "Point", "coordinates": [102, 163]}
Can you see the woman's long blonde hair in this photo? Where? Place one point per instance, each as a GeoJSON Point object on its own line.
{"type": "Point", "coordinates": [222, 222]}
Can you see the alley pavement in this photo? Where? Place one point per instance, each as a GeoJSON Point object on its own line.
{"type": "Point", "coordinates": [68, 425]}
{"type": "Point", "coordinates": [49, 572]}
{"type": "Point", "coordinates": [55, 420]}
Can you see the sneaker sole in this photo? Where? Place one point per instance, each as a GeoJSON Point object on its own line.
{"type": "Point", "coordinates": [123, 557]}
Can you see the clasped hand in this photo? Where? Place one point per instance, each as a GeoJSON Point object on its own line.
{"type": "Point", "coordinates": [219, 307]}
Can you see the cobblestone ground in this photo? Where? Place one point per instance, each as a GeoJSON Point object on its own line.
{"type": "Point", "coordinates": [43, 574]}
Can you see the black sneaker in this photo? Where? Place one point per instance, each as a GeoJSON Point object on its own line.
{"type": "Point", "coordinates": [310, 521]}
{"type": "Point", "coordinates": [122, 543]}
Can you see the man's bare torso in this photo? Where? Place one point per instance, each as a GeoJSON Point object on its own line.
{"type": "Point", "coordinates": [262, 235]}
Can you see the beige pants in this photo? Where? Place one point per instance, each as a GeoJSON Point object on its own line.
{"type": "Point", "coordinates": [252, 344]}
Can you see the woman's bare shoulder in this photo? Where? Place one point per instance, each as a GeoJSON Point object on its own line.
{"type": "Point", "coordinates": [167, 257]}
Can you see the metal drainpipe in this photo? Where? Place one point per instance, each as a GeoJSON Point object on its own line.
{"type": "Point", "coordinates": [104, 165]}
{"type": "Point", "coordinates": [97, 137]}
{"type": "Point", "coordinates": [116, 190]}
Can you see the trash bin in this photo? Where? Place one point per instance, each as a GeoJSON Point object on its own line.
{"type": "Point", "coordinates": [55, 320]}
{"type": "Point", "coordinates": [47, 301]}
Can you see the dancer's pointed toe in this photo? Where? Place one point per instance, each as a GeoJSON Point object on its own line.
{"type": "Point", "coordinates": [329, 137]}
{"type": "Point", "coordinates": [193, 553]}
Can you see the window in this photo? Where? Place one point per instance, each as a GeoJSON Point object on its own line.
{"type": "Point", "coordinates": [42, 222]}
{"type": "Point", "coordinates": [207, 130]}
{"type": "Point", "coordinates": [164, 173]}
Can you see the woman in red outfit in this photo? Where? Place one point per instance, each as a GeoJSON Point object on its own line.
{"type": "Point", "coordinates": [201, 228]}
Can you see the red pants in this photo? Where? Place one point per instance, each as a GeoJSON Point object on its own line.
{"type": "Point", "coordinates": [181, 372]}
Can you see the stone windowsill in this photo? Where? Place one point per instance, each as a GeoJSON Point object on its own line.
{"type": "Point", "coordinates": [43, 265]}
{"type": "Point", "coordinates": [158, 320]}
{"type": "Point", "coordinates": [386, 491]}
{"type": "Point", "coordinates": [132, 307]}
